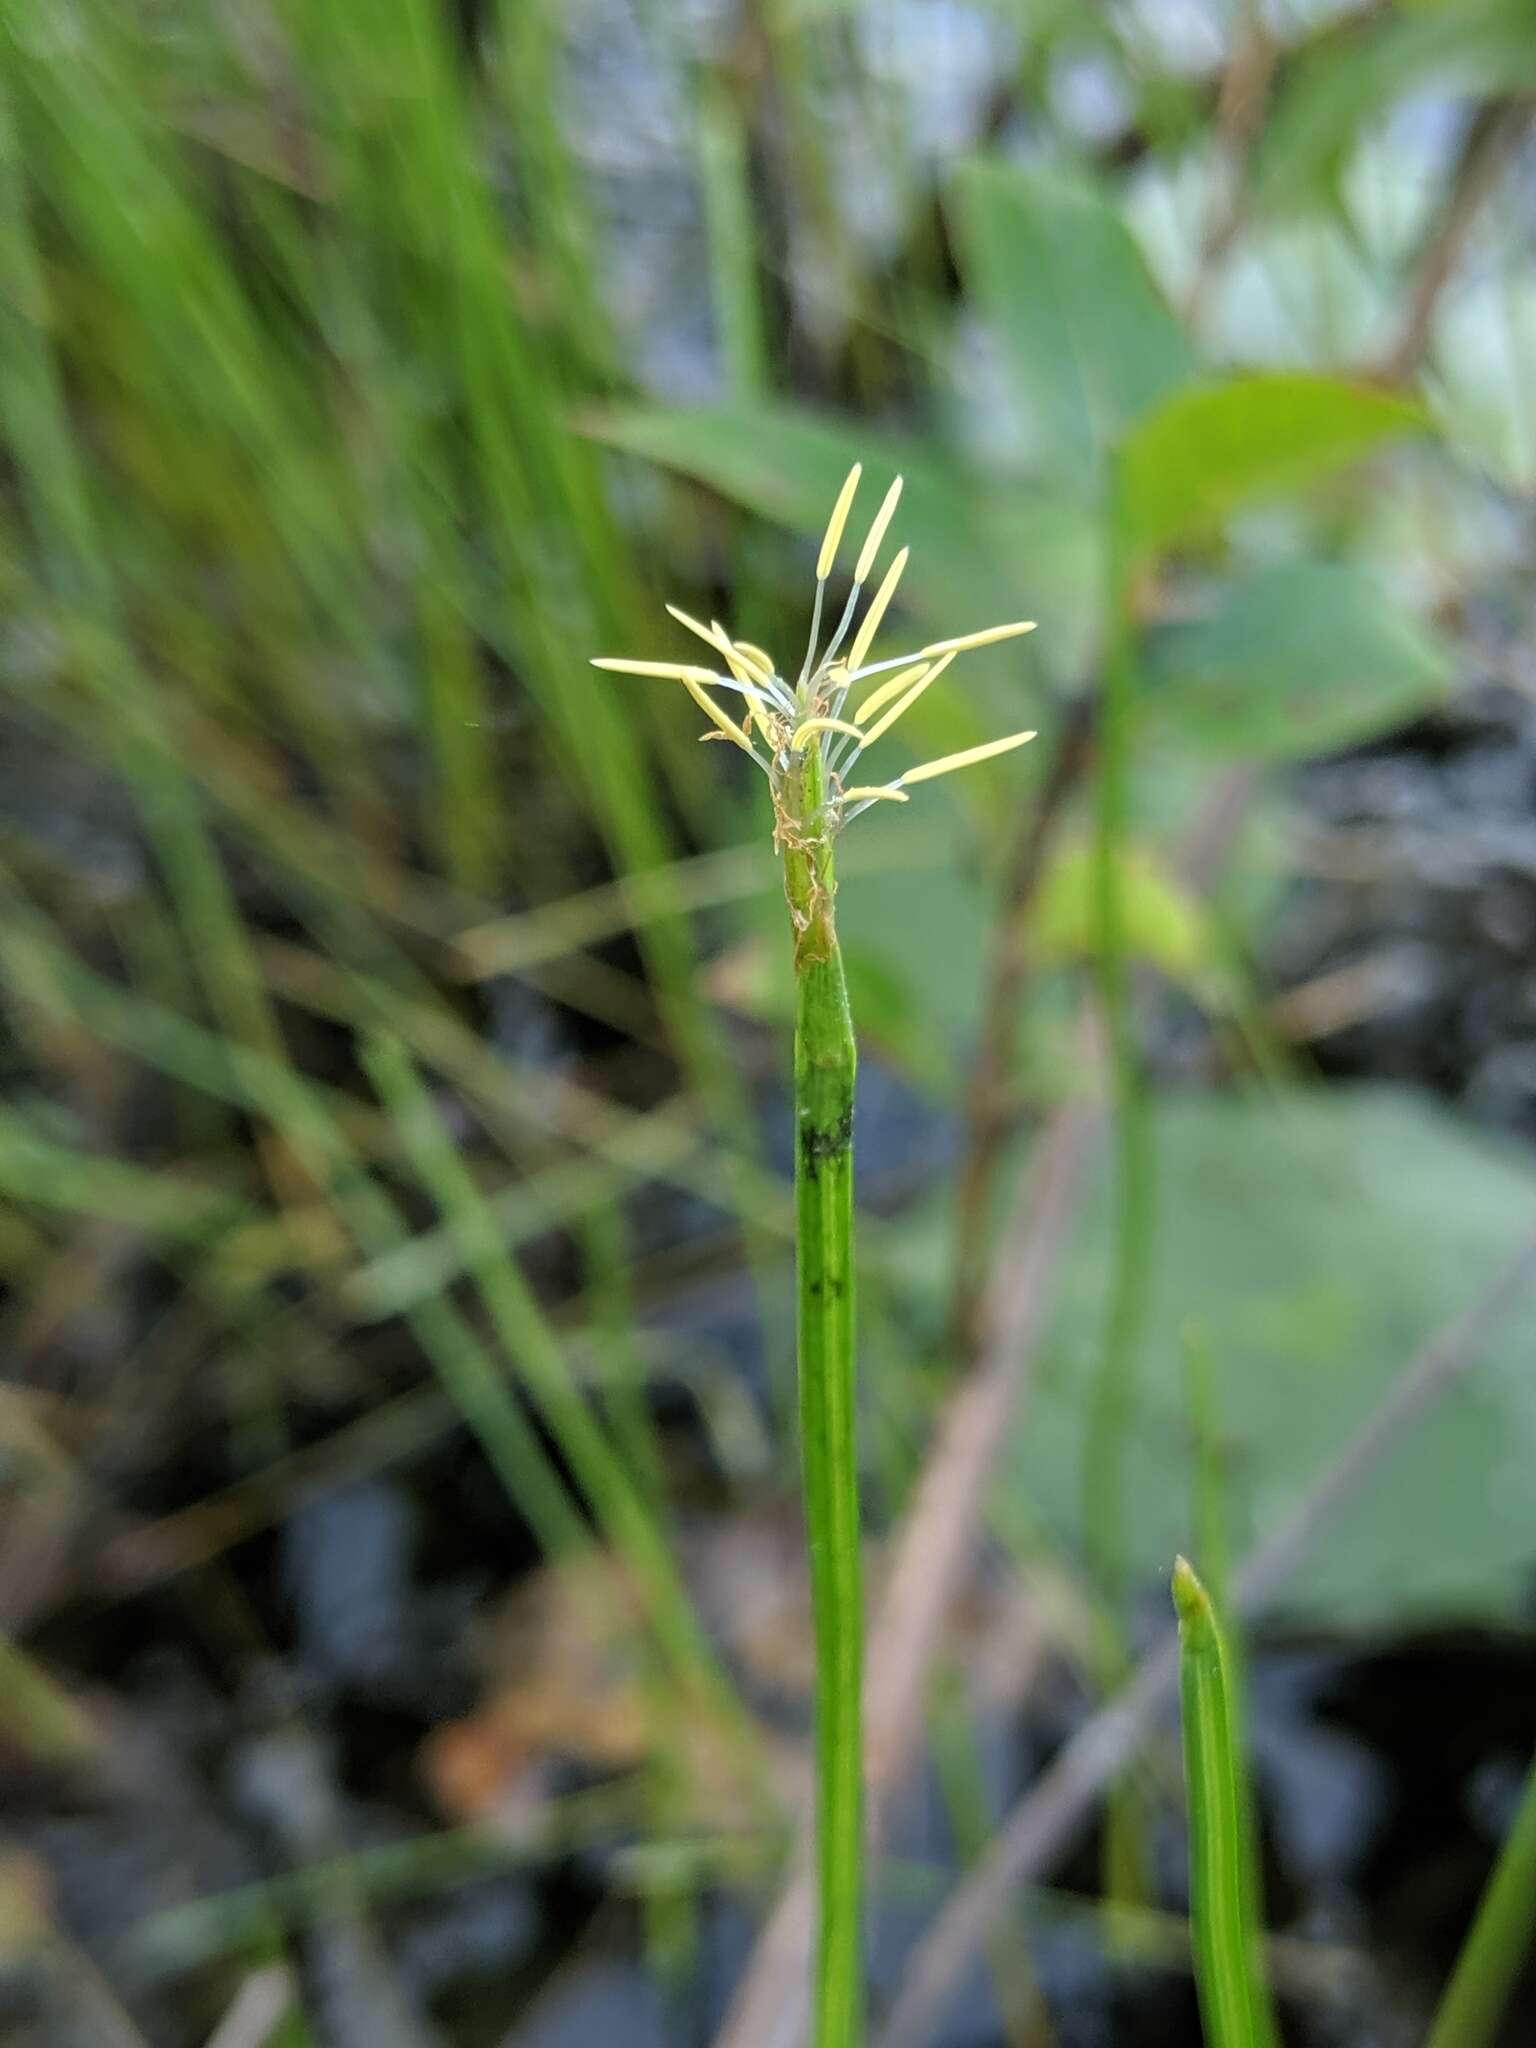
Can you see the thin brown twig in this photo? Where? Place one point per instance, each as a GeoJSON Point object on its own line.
{"type": "Point", "coordinates": [1240, 105]}
{"type": "Point", "coordinates": [1490, 141]}
{"type": "Point", "coordinates": [1045, 1820]}
{"type": "Point", "coordinates": [987, 1116]}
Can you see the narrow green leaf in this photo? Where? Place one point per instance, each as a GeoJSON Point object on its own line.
{"type": "Point", "coordinates": [1231, 1995]}
{"type": "Point", "coordinates": [1499, 1943]}
{"type": "Point", "coordinates": [532, 1348]}
{"type": "Point", "coordinates": [36, 1169]}
{"type": "Point", "coordinates": [731, 232]}
{"type": "Point", "coordinates": [1088, 337]}
{"type": "Point", "coordinates": [1296, 659]}
{"type": "Point", "coordinates": [1208, 451]}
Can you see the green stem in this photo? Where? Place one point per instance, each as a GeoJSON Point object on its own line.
{"type": "Point", "coordinates": [1499, 1943]}
{"type": "Point", "coordinates": [1221, 1915]}
{"type": "Point", "coordinates": [824, 1079]}
{"type": "Point", "coordinates": [1112, 1401]}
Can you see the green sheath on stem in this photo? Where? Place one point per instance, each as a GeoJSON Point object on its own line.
{"type": "Point", "coordinates": [824, 1077]}
{"type": "Point", "coordinates": [1232, 1996]}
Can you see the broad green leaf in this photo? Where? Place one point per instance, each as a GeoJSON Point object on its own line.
{"type": "Point", "coordinates": [1089, 338]}
{"type": "Point", "coordinates": [1319, 1238]}
{"type": "Point", "coordinates": [1208, 451]}
{"type": "Point", "coordinates": [1164, 923]}
{"type": "Point", "coordinates": [1296, 659]}
{"type": "Point", "coordinates": [978, 556]}
{"type": "Point", "coordinates": [1354, 75]}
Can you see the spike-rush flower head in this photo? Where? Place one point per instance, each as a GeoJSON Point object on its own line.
{"type": "Point", "coordinates": [779, 720]}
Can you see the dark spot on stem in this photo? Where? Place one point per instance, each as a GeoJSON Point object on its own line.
{"type": "Point", "coordinates": [831, 1142]}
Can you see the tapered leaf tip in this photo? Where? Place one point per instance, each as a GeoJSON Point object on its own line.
{"type": "Point", "coordinates": [1191, 1602]}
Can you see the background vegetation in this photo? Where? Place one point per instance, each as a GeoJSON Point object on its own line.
{"type": "Point", "coordinates": [401, 1598]}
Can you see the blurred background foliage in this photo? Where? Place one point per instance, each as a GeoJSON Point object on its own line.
{"type": "Point", "coordinates": [399, 1493]}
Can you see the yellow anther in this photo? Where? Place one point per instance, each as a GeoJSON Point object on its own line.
{"type": "Point", "coordinates": [757, 656]}
{"type": "Point", "coordinates": [863, 640]}
{"type": "Point", "coordinates": [736, 661]}
{"type": "Point", "coordinates": [984, 638]}
{"type": "Point", "coordinates": [877, 533]}
{"type": "Point", "coordinates": [891, 687]}
{"type": "Point", "coordinates": [904, 704]}
{"type": "Point", "coordinates": [712, 711]}
{"type": "Point", "coordinates": [837, 522]}
{"type": "Point", "coordinates": [714, 635]}
{"type": "Point", "coordinates": [675, 671]}
{"type": "Point", "coordinates": [814, 725]}
{"type": "Point", "coordinates": [870, 796]}
{"type": "Point", "coordinates": [710, 635]}
{"type": "Point", "coordinates": [965, 759]}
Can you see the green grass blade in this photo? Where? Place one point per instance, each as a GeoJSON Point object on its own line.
{"type": "Point", "coordinates": [520, 1324]}
{"type": "Point", "coordinates": [33, 1168]}
{"type": "Point", "coordinates": [46, 974]}
{"type": "Point", "coordinates": [731, 233]}
{"type": "Point", "coordinates": [1230, 1995]}
{"type": "Point", "coordinates": [1498, 1946]}
{"type": "Point", "coordinates": [1210, 1521]}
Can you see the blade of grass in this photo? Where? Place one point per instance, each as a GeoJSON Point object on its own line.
{"type": "Point", "coordinates": [38, 1715]}
{"type": "Point", "coordinates": [731, 234]}
{"type": "Point", "coordinates": [962, 1776]}
{"type": "Point", "coordinates": [531, 1345]}
{"type": "Point", "coordinates": [1225, 1940]}
{"type": "Point", "coordinates": [253, 1081]}
{"type": "Point", "coordinates": [34, 1168]}
{"type": "Point", "coordinates": [1498, 1944]}
{"type": "Point", "coordinates": [1213, 1542]}
{"type": "Point", "coordinates": [610, 1298]}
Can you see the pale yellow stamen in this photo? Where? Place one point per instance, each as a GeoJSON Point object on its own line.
{"type": "Point", "coordinates": [891, 687]}
{"type": "Point", "coordinates": [815, 725]}
{"type": "Point", "coordinates": [758, 656]}
{"type": "Point", "coordinates": [863, 640]}
{"type": "Point", "coordinates": [869, 796]}
{"type": "Point", "coordinates": [740, 667]}
{"type": "Point", "coordinates": [904, 704]}
{"type": "Point", "coordinates": [984, 638]}
{"type": "Point", "coordinates": [714, 635]}
{"type": "Point", "coordinates": [710, 635]}
{"type": "Point", "coordinates": [877, 533]}
{"type": "Point", "coordinates": [837, 522]}
{"type": "Point", "coordinates": [965, 759]}
{"type": "Point", "coordinates": [675, 671]}
{"type": "Point", "coordinates": [712, 710]}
